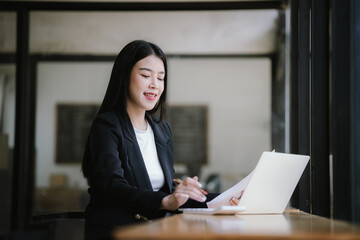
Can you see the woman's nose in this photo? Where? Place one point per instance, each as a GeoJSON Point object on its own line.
{"type": "Point", "coordinates": [154, 83]}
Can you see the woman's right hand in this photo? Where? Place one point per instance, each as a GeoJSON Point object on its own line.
{"type": "Point", "coordinates": [189, 188]}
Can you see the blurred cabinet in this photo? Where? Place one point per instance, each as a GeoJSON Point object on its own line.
{"type": "Point", "coordinates": [49, 200]}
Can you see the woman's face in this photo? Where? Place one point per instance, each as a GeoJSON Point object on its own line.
{"type": "Point", "coordinates": [146, 84]}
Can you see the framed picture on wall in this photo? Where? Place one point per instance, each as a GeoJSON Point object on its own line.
{"type": "Point", "coordinates": [189, 129]}
{"type": "Point", "coordinates": [73, 124]}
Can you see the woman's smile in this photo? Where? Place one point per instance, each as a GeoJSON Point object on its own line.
{"type": "Point", "coordinates": [150, 96]}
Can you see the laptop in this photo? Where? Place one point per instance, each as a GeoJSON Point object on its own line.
{"type": "Point", "coordinates": [269, 190]}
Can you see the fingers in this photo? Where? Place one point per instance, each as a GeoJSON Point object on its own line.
{"type": "Point", "coordinates": [203, 191]}
{"type": "Point", "coordinates": [177, 180]}
{"type": "Point", "coordinates": [234, 201]}
{"type": "Point", "coordinates": [192, 181]}
{"type": "Point", "coordinates": [192, 188]}
{"type": "Point", "coordinates": [195, 183]}
{"type": "Point", "coordinates": [194, 193]}
{"type": "Point", "coordinates": [181, 198]}
{"type": "Point", "coordinates": [195, 178]}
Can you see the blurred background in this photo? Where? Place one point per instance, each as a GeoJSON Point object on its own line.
{"type": "Point", "coordinates": [220, 64]}
{"type": "Point", "coordinates": [229, 93]}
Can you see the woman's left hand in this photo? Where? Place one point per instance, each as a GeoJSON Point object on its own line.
{"type": "Point", "coordinates": [235, 200]}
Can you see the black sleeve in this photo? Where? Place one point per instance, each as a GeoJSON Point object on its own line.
{"type": "Point", "coordinates": [195, 204]}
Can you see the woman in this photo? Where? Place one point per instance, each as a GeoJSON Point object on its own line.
{"type": "Point", "coordinates": [128, 160]}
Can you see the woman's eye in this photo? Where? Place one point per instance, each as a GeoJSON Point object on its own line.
{"type": "Point", "coordinates": [145, 76]}
{"type": "Point", "coordinates": [160, 79]}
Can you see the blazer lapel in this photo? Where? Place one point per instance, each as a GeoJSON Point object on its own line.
{"type": "Point", "coordinates": [161, 141]}
{"type": "Point", "coordinates": [134, 154]}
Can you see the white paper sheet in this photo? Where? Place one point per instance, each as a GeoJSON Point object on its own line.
{"type": "Point", "coordinates": [234, 191]}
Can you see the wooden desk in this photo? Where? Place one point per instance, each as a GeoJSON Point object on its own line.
{"type": "Point", "coordinates": [290, 225]}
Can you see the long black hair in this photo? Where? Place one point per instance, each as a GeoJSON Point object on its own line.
{"type": "Point", "coordinates": [118, 88]}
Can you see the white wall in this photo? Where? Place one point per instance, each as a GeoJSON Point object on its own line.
{"type": "Point", "coordinates": [238, 95]}
{"type": "Point", "coordinates": [63, 83]}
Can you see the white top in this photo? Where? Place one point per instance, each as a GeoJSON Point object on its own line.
{"type": "Point", "coordinates": [147, 146]}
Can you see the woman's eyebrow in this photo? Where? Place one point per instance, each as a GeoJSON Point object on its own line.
{"type": "Point", "coordinates": [148, 69]}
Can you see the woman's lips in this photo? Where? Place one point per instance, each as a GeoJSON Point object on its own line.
{"type": "Point", "coordinates": [150, 96]}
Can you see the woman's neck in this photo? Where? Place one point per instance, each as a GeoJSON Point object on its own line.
{"type": "Point", "coordinates": [138, 120]}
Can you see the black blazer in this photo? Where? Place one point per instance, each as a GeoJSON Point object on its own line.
{"type": "Point", "coordinates": [119, 185]}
